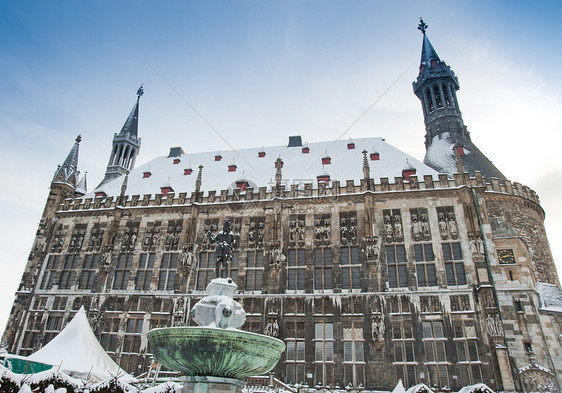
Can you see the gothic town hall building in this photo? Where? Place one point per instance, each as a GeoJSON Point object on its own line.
{"type": "Point", "coordinates": [370, 265]}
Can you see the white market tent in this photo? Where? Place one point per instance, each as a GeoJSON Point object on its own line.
{"type": "Point", "coordinates": [399, 388]}
{"type": "Point", "coordinates": [77, 352]}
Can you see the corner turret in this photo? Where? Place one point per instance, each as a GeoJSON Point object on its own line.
{"type": "Point", "coordinates": [126, 146]}
{"type": "Point", "coordinates": [446, 135]}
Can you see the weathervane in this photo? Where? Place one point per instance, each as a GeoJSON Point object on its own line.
{"type": "Point", "coordinates": [422, 26]}
{"type": "Point", "coordinates": [140, 92]}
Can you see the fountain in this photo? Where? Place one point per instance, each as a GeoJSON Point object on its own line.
{"type": "Point", "coordinates": [215, 356]}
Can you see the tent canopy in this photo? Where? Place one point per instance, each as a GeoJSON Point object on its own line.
{"type": "Point", "coordinates": [77, 352]}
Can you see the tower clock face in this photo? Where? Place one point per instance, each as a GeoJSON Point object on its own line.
{"type": "Point", "coordinates": [506, 256]}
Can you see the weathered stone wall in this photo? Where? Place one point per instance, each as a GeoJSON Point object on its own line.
{"type": "Point", "coordinates": [512, 215]}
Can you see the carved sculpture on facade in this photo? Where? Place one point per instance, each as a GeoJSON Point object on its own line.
{"type": "Point", "coordinates": [96, 239]}
{"type": "Point", "coordinates": [129, 238]}
{"type": "Point", "coordinates": [452, 225]}
{"type": "Point", "coordinates": [443, 227]}
{"type": "Point", "coordinates": [58, 240]}
{"type": "Point", "coordinates": [494, 326]}
{"type": "Point", "coordinates": [276, 254]}
{"type": "Point", "coordinates": [425, 227]}
{"type": "Point", "coordinates": [272, 327]}
{"type": "Point", "coordinates": [416, 228]}
{"type": "Point", "coordinates": [377, 328]}
{"type": "Point", "coordinates": [322, 230]}
{"type": "Point", "coordinates": [179, 313]}
{"type": "Point", "coordinates": [188, 256]}
{"type": "Point", "coordinates": [398, 234]}
{"type": "Point", "coordinates": [388, 230]}
{"type": "Point", "coordinates": [372, 248]}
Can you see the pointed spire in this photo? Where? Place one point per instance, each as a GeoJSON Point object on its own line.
{"type": "Point", "coordinates": [131, 126]}
{"type": "Point", "coordinates": [366, 169]}
{"type": "Point", "coordinates": [428, 53]}
{"type": "Point", "coordinates": [82, 187]}
{"type": "Point", "coordinates": [126, 146]}
{"type": "Point", "coordinates": [68, 171]}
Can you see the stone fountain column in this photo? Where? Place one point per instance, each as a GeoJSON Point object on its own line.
{"type": "Point", "coordinates": [215, 356]}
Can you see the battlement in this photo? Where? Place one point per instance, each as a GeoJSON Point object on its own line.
{"type": "Point", "coordinates": [306, 190]}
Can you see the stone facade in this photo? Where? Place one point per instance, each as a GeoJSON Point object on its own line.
{"type": "Point", "coordinates": [366, 284]}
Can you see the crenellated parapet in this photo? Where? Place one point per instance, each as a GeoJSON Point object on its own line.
{"type": "Point", "coordinates": [308, 190]}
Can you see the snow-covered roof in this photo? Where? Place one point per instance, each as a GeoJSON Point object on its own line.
{"type": "Point", "coordinates": [76, 350]}
{"type": "Point", "coordinates": [550, 297]}
{"type": "Point", "coordinates": [259, 169]}
{"type": "Point", "coordinates": [480, 387]}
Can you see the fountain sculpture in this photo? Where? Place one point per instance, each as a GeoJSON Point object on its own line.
{"type": "Point", "coordinates": [215, 356]}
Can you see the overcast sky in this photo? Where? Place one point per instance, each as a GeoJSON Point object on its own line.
{"type": "Point", "coordinates": [259, 71]}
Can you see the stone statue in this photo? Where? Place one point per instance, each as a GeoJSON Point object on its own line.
{"type": "Point", "coordinates": [453, 226]}
{"type": "Point", "coordinates": [225, 240]}
{"type": "Point", "coordinates": [416, 228]}
{"type": "Point", "coordinates": [443, 227]}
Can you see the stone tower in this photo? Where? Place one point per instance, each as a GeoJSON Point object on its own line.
{"type": "Point", "coordinates": [64, 181]}
{"type": "Point", "coordinates": [447, 140]}
{"type": "Point", "coordinates": [126, 146]}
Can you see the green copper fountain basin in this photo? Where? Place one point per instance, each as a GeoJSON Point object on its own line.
{"type": "Point", "coordinates": [204, 351]}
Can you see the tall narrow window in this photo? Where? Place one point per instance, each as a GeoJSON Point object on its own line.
{"type": "Point", "coordinates": [429, 100]}
{"type": "Point", "coordinates": [324, 353]}
{"type": "Point", "coordinates": [53, 327]}
{"type": "Point", "coordinates": [144, 273]}
{"type": "Point", "coordinates": [131, 345]}
{"type": "Point", "coordinates": [67, 274]}
{"type": "Point", "coordinates": [397, 266]}
{"type": "Point", "coordinates": [296, 268]}
{"type": "Point", "coordinates": [206, 270]}
{"type": "Point", "coordinates": [350, 268]}
{"type": "Point", "coordinates": [353, 354]}
{"type": "Point", "coordinates": [454, 266]}
{"type": "Point", "coordinates": [466, 343]}
{"type": "Point", "coordinates": [425, 267]}
{"type": "Point", "coordinates": [436, 356]}
{"type": "Point", "coordinates": [322, 268]}
{"type": "Point", "coordinates": [403, 348]}
{"type": "Point", "coordinates": [89, 268]}
{"type": "Point", "coordinates": [110, 334]}
{"type": "Point", "coordinates": [295, 362]}
{"type": "Point", "coordinates": [122, 271]}
{"type": "Point", "coordinates": [167, 272]}
{"type": "Point", "coordinates": [50, 269]}
{"type": "Point", "coordinates": [437, 96]}
{"type": "Point", "coordinates": [254, 270]}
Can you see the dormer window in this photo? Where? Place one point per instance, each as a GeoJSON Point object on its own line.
{"type": "Point", "coordinates": [218, 157]}
{"type": "Point", "coordinates": [101, 194]}
{"type": "Point", "coordinates": [305, 150]}
{"type": "Point", "coordinates": [261, 154]}
{"type": "Point", "coordinates": [460, 150]}
{"type": "Point", "coordinates": [433, 63]}
{"type": "Point", "coordinates": [232, 168]}
{"type": "Point", "coordinates": [375, 156]}
{"type": "Point", "coordinates": [323, 179]}
{"type": "Point", "coordinates": [326, 161]}
{"type": "Point", "coordinates": [166, 190]}
{"type": "Point", "coordinates": [242, 185]}
{"type": "Point", "coordinates": [146, 174]}
{"type": "Point", "coordinates": [187, 171]}
{"type": "Point", "coordinates": [176, 161]}
{"type": "Point", "coordinates": [278, 164]}
{"type": "Point", "coordinates": [406, 173]}
{"type": "Point", "coordinates": [351, 145]}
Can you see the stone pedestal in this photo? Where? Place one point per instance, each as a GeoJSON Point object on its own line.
{"type": "Point", "coordinates": [212, 385]}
